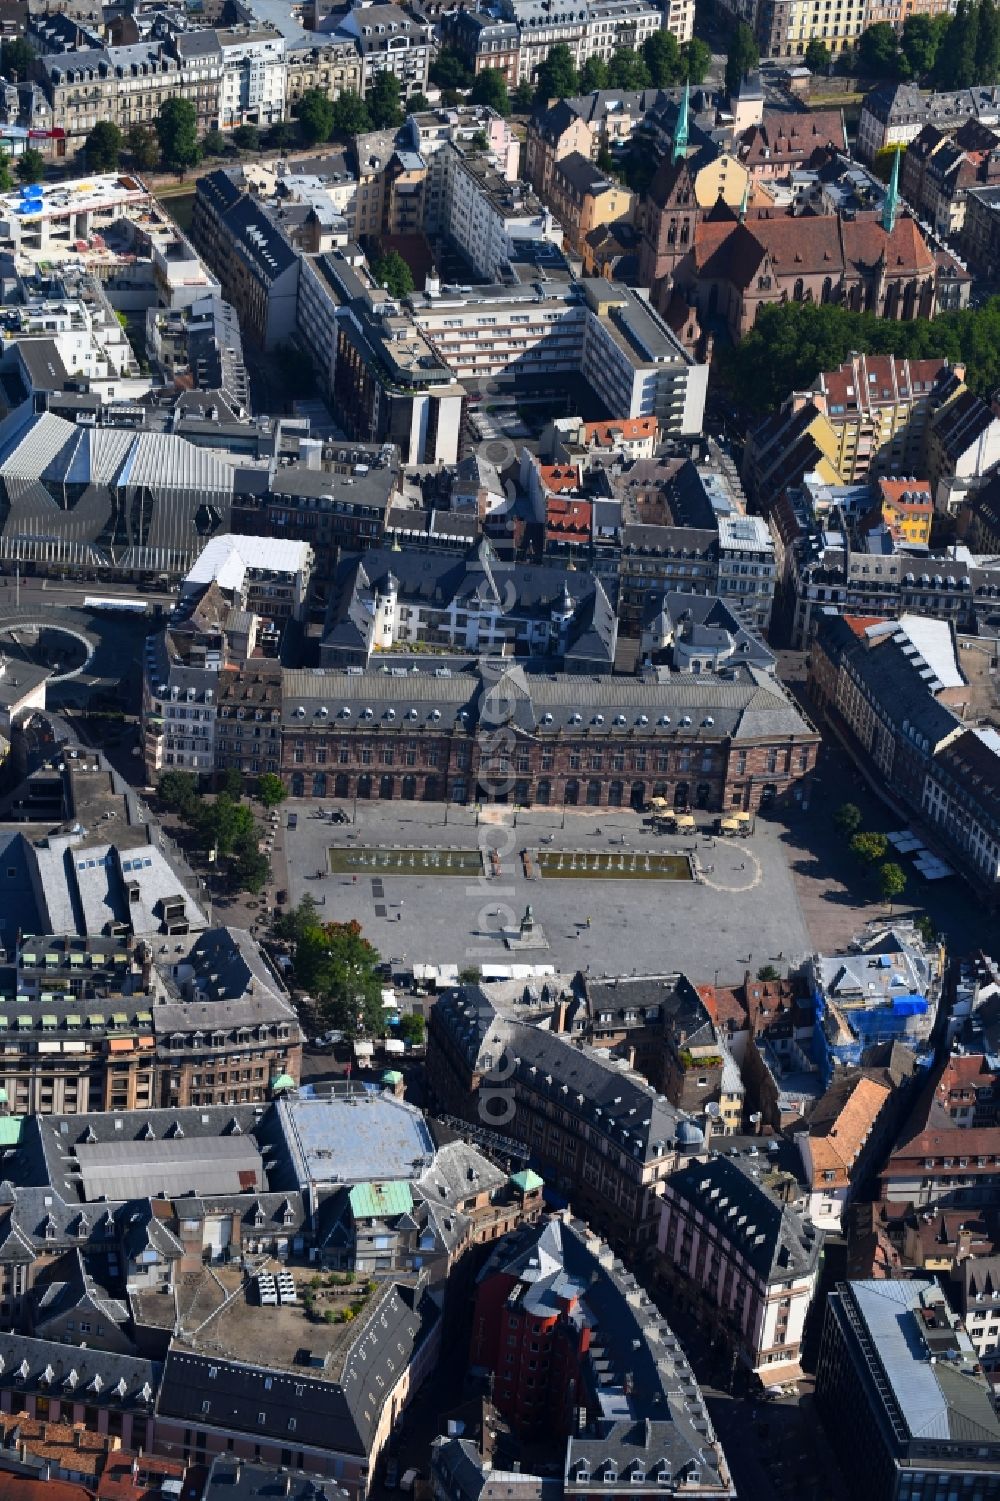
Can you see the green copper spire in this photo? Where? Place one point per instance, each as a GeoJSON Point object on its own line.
{"type": "Point", "coordinates": [682, 128]}
{"type": "Point", "coordinates": [745, 201]}
{"type": "Point", "coordinates": [890, 207]}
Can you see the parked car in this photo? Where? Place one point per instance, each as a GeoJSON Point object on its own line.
{"type": "Point", "coordinates": [293, 821]}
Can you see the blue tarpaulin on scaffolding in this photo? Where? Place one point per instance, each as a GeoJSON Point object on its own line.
{"type": "Point", "coordinates": [909, 1005]}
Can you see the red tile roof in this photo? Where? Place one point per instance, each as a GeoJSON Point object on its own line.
{"type": "Point", "coordinates": [861, 623]}
{"type": "Point", "coordinates": [119, 1483]}
{"type": "Point", "coordinates": [869, 380]}
{"type": "Point", "coordinates": [810, 245]}
{"type": "Point", "coordinates": [782, 137]}
{"type": "Point", "coordinates": [21, 1488]}
{"type": "Point", "coordinates": [907, 494]}
{"type": "Point", "coordinates": [630, 428]}
{"type": "Point", "coordinates": [560, 476]}
{"type": "Point", "coordinates": [567, 519]}
{"type": "Point", "coordinates": [723, 1004]}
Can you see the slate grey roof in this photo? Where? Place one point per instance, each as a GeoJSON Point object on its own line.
{"type": "Point", "coordinates": [232, 986]}
{"type": "Point", "coordinates": [477, 580]}
{"type": "Point", "coordinates": [338, 1411]}
{"type": "Point", "coordinates": [892, 682]}
{"type": "Point", "coordinates": [705, 619]}
{"type": "Point", "coordinates": [88, 887]}
{"type": "Point", "coordinates": [686, 706]}
{"type": "Point", "coordinates": [94, 1376]}
{"type": "Point", "coordinates": [767, 1234]}
{"type": "Point", "coordinates": [654, 998]}
{"type": "Point", "coordinates": [48, 1145]}
{"type": "Point", "coordinates": [601, 1092]}
{"type": "Point", "coordinates": [635, 1374]}
{"type": "Point", "coordinates": [237, 1480]}
{"type": "Point", "coordinates": [457, 1173]}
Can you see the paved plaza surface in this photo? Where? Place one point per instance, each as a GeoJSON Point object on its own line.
{"type": "Point", "coordinates": [744, 914]}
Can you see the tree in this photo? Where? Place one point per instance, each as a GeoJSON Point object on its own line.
{"type": "Point", "coordinates": [696, 59]}
{"type": "Point", "coordinates": [557, 77]}
{"type": "Point", "coordinates": [270, 790]}
{"type": "Point", "coordinates": [847, 819]}
{"type": "Point", "coordinates": [417, 103]}
{"type": "Point", "coordinates": [869, 848]}
{"type": "Point", "coordinates": [383, 101]}
{"type": "Point", "coordinates": [143, 148]}
{"type": "Point", "coordinates": [290, 926]}
{"type": "Point", "coordinates": [878, 51]}
{"type": "Point", "coordinates": [594, 73]}
{"type": "Point", "coordinates": [792, 343]}
{"type": "Point", "coordinates": [177, 133]}
{"type": "Point", "coordinates": [215, 143]}
{"type": "Point", "coordinates": [282, 135]}
{"type": "Point", "coordinates": [817, 56]}
{"type": "Point", "coordinates": [627, 70]}
{"type": "Point", "coordinates": [392, 272]}
{"type": "Point", "coordinates": [337, 965]}
{"type": "Point", "coordinates": [6, 178]}
{"type": "Point", "coordinates": [891, 881]}
{"type": "Point", "coordinates": [742, 57]}
{"type": "Point", "coordinates": [768, 973]}
{"type": "Point", "coordinates": [30, 166]}
{"type": "Point", "coordinates": [103, 146]}
{"type": "Point", "coordinates": [663, 58]}
{"type": "Point", "coordinates": [987, 64]}
{"type": "Point", "coordinates": [490, 88]}
{"type": "Point", "coordinates": [523, 98]}
{"type": "Point", "coordinates": [230, 781]}
{"type": "Point", "coordinates": [350, 115]}
{"type": "Point", "coordinates": [955, 65]}
{"type": "Point", "coordinates": [605, 159]}
{"type": "Point", "coordinates": [412, 1029]}
{"type": "Point", "coordinates": [224, 825]}
{"type": "Point", "coordinates": [249, 870]}
{"type": "Point", "coordinates": [449, 70]}
{"type": "Point", "coordinates": [16, 57]}
{"type": "Point", "coordinates": [316, 117]}
{"type": "Point", "coordinates": [246, 138]}
{"type": "Point", "coordinates": [178, 790]}
{"type": "Point", "coordinates": [925, 927]}
{"type": "Point", "coordinates": [919, 45]}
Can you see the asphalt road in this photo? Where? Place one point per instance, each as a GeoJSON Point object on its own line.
{"type": "Point", "coordinates": [71, 592]}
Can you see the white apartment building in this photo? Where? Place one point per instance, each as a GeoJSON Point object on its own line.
{"type": "Point", "coordinates": [620, 23]}
{"type": "Point", "coordinates": [543, 23]}
{"type": "Point", "coordinates": [748, 571]}
{"type": "Point", "coordinates": [252, 87]}
{"type": "Point", "coordinates": [604, 331]}
{"type": "Point", "coordinates": [636, 364]}
{"type": "Point", "coordinates": [268, 576]}
{"type": "Point", "coordinates": [433, 129]}
{"type": "Point", "coordinates": [178, 710]}
{"type": "Point", "coordinates": [79, 336]}
{"type": "Point", "coordinates": [980, 1305]}
{"type": "Point", "coordinates": [390, 40]}
{"type": "Point", "coordinates": [742, 1262]}
{"type": "Point", "coordinates": [487, 331]}
{"type": "Point", "coordinates": [487, 215]}
{"type": "Point", "coordinates": [595, 29]}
